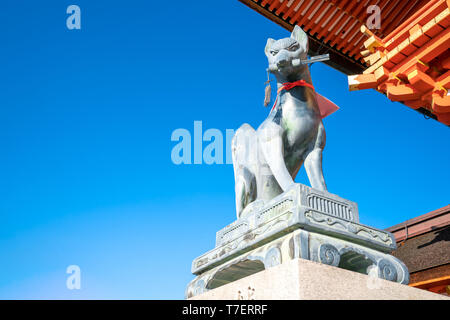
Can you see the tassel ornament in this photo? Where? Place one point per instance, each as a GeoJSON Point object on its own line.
{"type": "Point", "coordinates": [268, 91]}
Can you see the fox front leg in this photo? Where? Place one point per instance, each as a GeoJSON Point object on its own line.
{"type": "Point", "coordinates": [271, 144]}
{"type": "Point", "coordinates": [313, 162]}
{"type": "Point", "coordinates": [245, 188]}
{"type": "Point", "coordinates": [313, 167]}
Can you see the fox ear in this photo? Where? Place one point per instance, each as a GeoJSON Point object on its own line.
{"type": "Point", "coordinates": [269, 43]}
{"type": "Point", "coordinates": [301, 37]}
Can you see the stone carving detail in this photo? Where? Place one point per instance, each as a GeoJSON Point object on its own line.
{"type": "Point", "coordinates": [330, 206]}
{"type": "Point", "coordinates": [274, 211]}
{"type": "Point", "coordinates": [386, 270]}
{"type": "Point", "coordinates": [374, 234]}
{"type": "Point", "coordinates": [322, 248]}
{"type": "Point", "coordinates": [230, 234]}
{"type": "Point", "coordinates": [268, 227]}
{"type": "Point", "coordinates": [324, 219]}
{"type": "Point", "coordinates": [273, 258]}
{"type": "Point", "coordinates": [228, 248]}
{"type": "Point", "coordinates": [248, 238]}
{"type": "Point", "coordinates": [348, 226]}
{"type": "Point", "coordinates": [328, 254]}
{"type": "Point", "coordinates": [259, 221]}
{"type": "Point", "coordinates": [202, 262]}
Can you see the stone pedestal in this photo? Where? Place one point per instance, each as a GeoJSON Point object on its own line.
{"type": "Point", "coordinates": [301, 279]}
{"type": "Point", "coordinates": [300, 223]}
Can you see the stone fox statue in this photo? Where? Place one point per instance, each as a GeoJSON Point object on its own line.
{"type": "Point", "coordinates": [266, 161]}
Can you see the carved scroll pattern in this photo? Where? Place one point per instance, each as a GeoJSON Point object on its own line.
{"type": "Point", "coordinates": [335, 223]}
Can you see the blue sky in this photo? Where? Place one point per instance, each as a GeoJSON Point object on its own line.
{"type": "Point", "coordinates": [86, 117]}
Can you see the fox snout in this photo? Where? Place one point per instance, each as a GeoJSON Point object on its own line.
{"type": "Point", "coordinates": [282, 62]}
{"type": "Point", "coordinates": [282, 59]}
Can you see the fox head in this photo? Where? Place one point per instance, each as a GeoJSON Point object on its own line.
{"type": "Point", "coordinates": [281, 53]}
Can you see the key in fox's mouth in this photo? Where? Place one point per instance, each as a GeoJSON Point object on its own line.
{"type": "Point", "coordinates": [280, 65]}
{"type": "Point", "coordinates": [283, 63]}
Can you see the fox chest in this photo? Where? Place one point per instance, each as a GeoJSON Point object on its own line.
{"type": "Point", "coordinates": [299, 121]}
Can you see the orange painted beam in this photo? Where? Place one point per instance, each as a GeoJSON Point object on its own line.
{"type": "Point", "coordinates": [391, 18]}
{"type": "Point", "coordinates": [444, 118]}
{"type": "Point", "coordinates": [324, 21]}
{"type": "Point", "coordinates": [336, 37]}
{"type": "Point", "coordinates": [282, 7]}
{"type": "Point", "coordinates": [316, 19]}
{"type": "Point", "coordinates": [413, 20]}
{"type": "Point", "coordinates": [441, 104]}
{"type": "Point", "coordinates": [431, 283]}
{"type": "Point", "coordinates": [354, 28]}
{"type": "Point", "coordinates": [264, 2]}
{"type": "Point", "coordinates": [275, 3]}
{"type": "Point", "coordinates": [291, 9]}
{"type": "Point", "coordinates": [296, 15]}
{"type": "Point", "coordinates": [359, 45]}
{"type": "Point", "coordinates": [304, 18]}
{"type": "Point", "coordinates": [421, 19]}
{"type": "Point", "coordinates": [362, 81]}
{"type": "Point", "coordinates": [433, 48]}
{"type": "Point", "coordinates": [402, 92]}
{"type": "Point", "coordinates": [381, 74]}
{"type": "Point", "coordinates": [414, 104]}
{"type": "Point", "coordinates": [421, 81]}
{"type": "Point", "coordinates": [444, 81]}
{"type": "Point", "coordinates": [335, 28]}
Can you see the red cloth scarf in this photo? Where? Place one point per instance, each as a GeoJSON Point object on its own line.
{"type": "Point", "coordinates": [289, 85]}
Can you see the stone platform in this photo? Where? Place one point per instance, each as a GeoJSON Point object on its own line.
{"type": "Point", "coordinates": [301, 279]}
{"type": "Point", "coordinates": [300, 223]}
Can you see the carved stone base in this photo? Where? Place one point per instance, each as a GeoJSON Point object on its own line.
{"type": "Point", "coordinates": [301, 279]}
{"type": "Point", "coordinates": [300, 223]}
